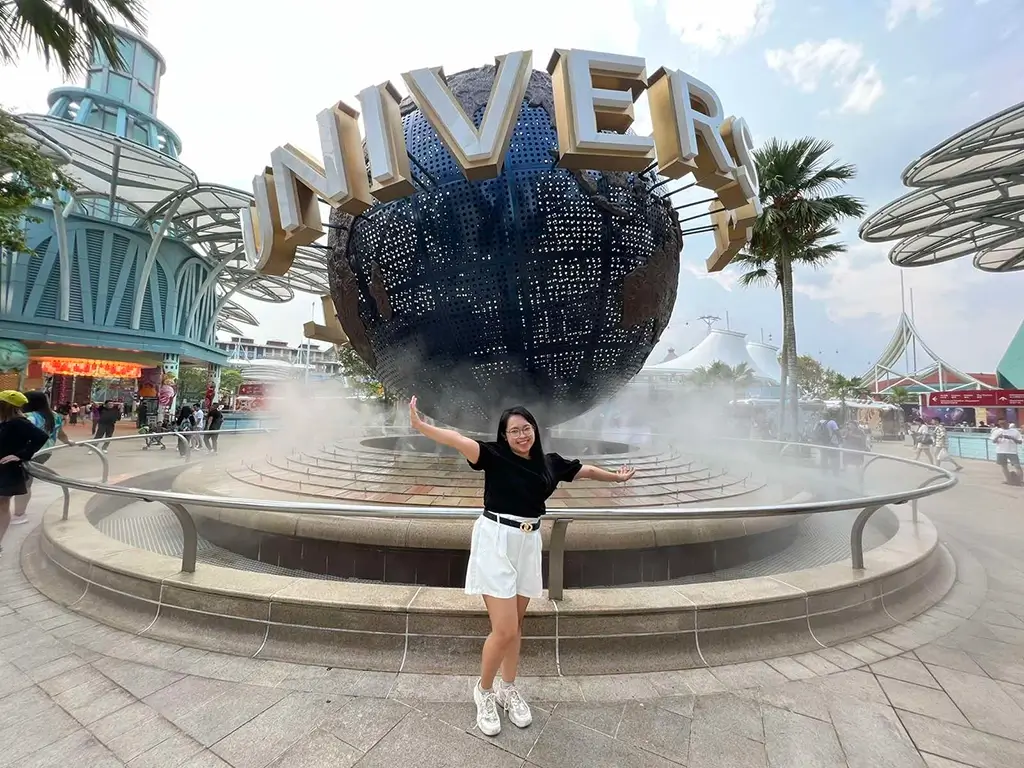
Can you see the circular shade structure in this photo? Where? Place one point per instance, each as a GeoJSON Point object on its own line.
{"type": "Point", "coordinates": [969, 200]}
{"type": "Point", "coordinates": [131, 183]}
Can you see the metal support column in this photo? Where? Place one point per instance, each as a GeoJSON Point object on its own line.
{"type": "Point", "coordinates": [147, 266]}
{"type": "Point", "coordinates": [64, 259]}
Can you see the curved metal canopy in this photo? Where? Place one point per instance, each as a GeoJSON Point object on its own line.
{"type": "Point", "coordinates": [146, 187]}
{"type": "Point", "coordinates": [970, 201]}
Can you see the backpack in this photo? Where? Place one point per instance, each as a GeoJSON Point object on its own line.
{"type": "Point", "coordinates": [821, 434]}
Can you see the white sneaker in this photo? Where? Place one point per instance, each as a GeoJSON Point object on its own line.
{"type": "Point", "coordinates": [514, 704]}
{"type": "Point", "coordinates": [487, 719]}
{"type": "Point", "coordinates": [19, 519]}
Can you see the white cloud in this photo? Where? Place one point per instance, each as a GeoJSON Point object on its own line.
{"type": "Point", "coordinates": [865, 90]}
{"type": "Point", "coordinates": [837, 62]}
{"type": "Point", "coordinates": [717, 26]}
{"type": "Point", "coordinates": [728, 278]}
{"type": "Point", "coordinates": [252, 76]}
{"type": "Point", "coordinates": [900, 9]}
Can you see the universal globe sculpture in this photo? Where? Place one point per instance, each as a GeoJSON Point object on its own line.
{"type": "Point", "coordinates": [542, 286]}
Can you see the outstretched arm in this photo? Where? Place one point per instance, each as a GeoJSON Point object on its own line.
{"type": "Point", "coordinates": [465, 445]}
{"type": "Point", "coordinates": [588, 472]}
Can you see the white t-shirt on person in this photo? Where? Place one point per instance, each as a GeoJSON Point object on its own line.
{"type": "Point", "coordinates": [1003, 438]}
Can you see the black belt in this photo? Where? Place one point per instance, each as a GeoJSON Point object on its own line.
{"type": "Point", "coordinates": [526, 526]}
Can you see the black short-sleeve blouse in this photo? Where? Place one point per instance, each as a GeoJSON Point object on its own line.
{"type": "Point", "coordinates": [517, 486]}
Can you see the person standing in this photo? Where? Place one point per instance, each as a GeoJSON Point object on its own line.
{"type": "Point", "coordinates": [73, 413]}
{"type": "Point", "coordinates": [505, 550]}
{"type": "Point", "coordinates": [1007, 440]}
{"type": "Point", "coordinates": [109, 415]}
{"type": "Point", "coordinates": [942, 445]}
{"type": "Point", "coordinates": [37, 410]}
{"type": "Point", "coordinates": [19, 441]}
{"type": "Point", "coordinates": [214, 420]}
{"type": "Point", "coordinates": [826, 435]}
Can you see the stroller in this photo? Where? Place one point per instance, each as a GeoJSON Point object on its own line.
{"type": "Point", "coordinates": [155, 435]}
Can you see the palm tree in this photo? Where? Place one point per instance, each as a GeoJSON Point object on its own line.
{"type": "Point", "coordinates": [842, 387]}
{"type": "Point", "coordinates": [735, 379]}
{"type": "Point", "coordinates": [66, 30]}
{"type": "Point", "coordinates": [801, 208]}
{"type": "Point", "coordinates": [900, 395]}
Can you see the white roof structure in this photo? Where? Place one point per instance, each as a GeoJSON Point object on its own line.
{"type": "Point", "coordinates": [969, 200]}
{"type": "Point", "coordinates": [719, 345]}
{"type": "Point", "coordinates": [766, 361]}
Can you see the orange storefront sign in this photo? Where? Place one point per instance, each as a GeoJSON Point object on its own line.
{"type": "Point", "coordinates": [98, 369]}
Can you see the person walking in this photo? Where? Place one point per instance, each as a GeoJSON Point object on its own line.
{"type": "Point", "coordinates": [923, 441]}
{"type": "Point", "coordinates": [942, 445]}
{"type": "Point", "coordinates": [107, 420]}
{"type": "Point", "coordinates": [1007, 440]}
{"type": "Point", "coordinates": [214, 420]}
{"type": "Point", "coordinates": [505, 550]}
{"type": "Point", "coordinates": [19, 441]}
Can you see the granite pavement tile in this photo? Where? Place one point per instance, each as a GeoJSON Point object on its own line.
{"type": "Point", "coordinates": [655, 730]}
{"type": "Point", "coordinates": [364, 722]}
{"type": "Point", "coordinates": [966, 745]}
{"type": "Point", "coordinates": [567, 744]}
{"type": "Point", "coordinates": [423, 742]}
{"type": "Point", "coordinates": [730, 712]}
{"type": "Point", "coordinates": [169, 753]}
{"type": "Point", "coordinates": [123, 720]}
{"type": "Point", "coordinates": [140, 680]}
{"type": "Point", "coordinates": [712, 747]}
{"type": "Point", "coordinates": [907, 669]}
{"type": "Point", "coordinates": [79, 748]}
{"type": "Point", "coordinates": [319, 749]}
{"type": "Point", "coordinates": [871, 735]}
{"type": "Point", "coordinates": [987, 706]}
{"type": "Point", "coordinates": [748, 675]}
{"type": "Point", "coordinates": [937, 655]}
{"type": "Point", "coordinates": [796, 741]}
{"type": "Point", "coordinates": [600, 716]}
{"type": "Point", "coordinates": [791, 668]}
{"type": "Point", "coordinates": [922, 700]}
{"type": "Point", "coordinates": [217, 717]}
{"type": "Point", "coordinates": [268, 735]}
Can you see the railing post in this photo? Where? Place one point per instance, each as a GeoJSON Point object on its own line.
{"type": "Point", "coordinates": [857, 536]}
{"type": "Point", "coordinates": [189, 536]}
{"type": "Point", "coordinates": [556, 559]}
{"type": "Point", "coordinates": [103, 458]}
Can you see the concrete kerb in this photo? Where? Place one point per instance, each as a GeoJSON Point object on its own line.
{"type": "Point", "coordinates": [430, 629]}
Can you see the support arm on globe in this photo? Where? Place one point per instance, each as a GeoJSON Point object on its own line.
{"type": "Point", "coordinates": [332, 331]}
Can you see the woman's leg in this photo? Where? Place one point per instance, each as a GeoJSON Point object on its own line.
{"type": "Point", "coordinates": [504, 616]}
{"type": "Point", "coordinates": [5, 515]}
{"type": "Point", "coordinates": [510, 662]}
{"type": "Point", "coordinates": [21, 502]}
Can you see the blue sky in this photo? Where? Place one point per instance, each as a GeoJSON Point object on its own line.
{"type": "Point", "coordinates": [910, 74]}
{"type": "Point", "coordinates": [884, 80]}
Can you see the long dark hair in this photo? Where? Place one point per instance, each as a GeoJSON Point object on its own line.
{"type": "Point", "coordinates": [537, 449]}
{"type": "Point", "coordinates": [38, 402]}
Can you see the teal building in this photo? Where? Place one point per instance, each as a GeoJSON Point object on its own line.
{"type": "Point", "coordinates": [133, 274]}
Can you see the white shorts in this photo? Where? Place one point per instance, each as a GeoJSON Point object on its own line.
{"type": "Point", "coordinates": [503, 561]}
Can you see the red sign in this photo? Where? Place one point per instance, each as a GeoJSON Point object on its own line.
{"type": "Point", "coordinates": [982, 398]}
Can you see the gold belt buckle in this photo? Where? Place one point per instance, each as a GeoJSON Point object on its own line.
{"type": "Point", "coordinates": [526, 527]}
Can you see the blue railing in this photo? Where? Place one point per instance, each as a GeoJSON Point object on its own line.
{"type": "Point", "coordinates": [974, 446]}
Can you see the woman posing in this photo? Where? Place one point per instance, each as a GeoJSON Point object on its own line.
{"type": "Point", "coordinates": [504, 556]}
{"type": "Point", "coordinates": [37, 410]}
{"type": "Point", "coordinates": [19, 441]}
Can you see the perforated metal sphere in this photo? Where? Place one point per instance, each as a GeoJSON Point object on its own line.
{"type": "Point", "coordinates": [541, 287]}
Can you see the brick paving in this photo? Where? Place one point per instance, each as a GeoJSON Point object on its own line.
{"type": "Point", "coordinates": [942, 691]}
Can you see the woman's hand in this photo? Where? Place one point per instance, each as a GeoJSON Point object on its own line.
{"type": "Point", "coordinates": [624, 473]}
{"type": "Point", "coordinates": [414, 416]}
{"type": "Point", "coordinates": [12, 459]}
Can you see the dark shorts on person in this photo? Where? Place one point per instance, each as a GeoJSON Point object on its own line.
{"type": "Point", "coordinates": [1008, 459]}
{"type": "Point", "coordinates": [12, 480]}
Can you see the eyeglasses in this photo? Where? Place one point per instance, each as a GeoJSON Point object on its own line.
{"type": "Point", "coordinates": [519, 431]}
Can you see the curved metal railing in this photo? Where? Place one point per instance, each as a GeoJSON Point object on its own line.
{"type": "Point", "coordinates": [939, 481]}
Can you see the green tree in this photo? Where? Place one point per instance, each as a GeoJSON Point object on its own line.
{"type": "Point", "coordinates": [230, 381]}
{"type": "Point", "coordinates": [361, 376]}
{"type": "Point", "coordinates": [812, 377]}
{"type": "Point", "coordinates": [899, 395]}
{"type": "Point", "coordinates": [67, 31]}
{"type": "Point", "coordinates": [843, 388]}
{"type": "Point", "coordinates": [192, 383]}
{"type": "Point", "coordinates": [801, 208]}
{"type": "Point", "coordinates": [27, 174]}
